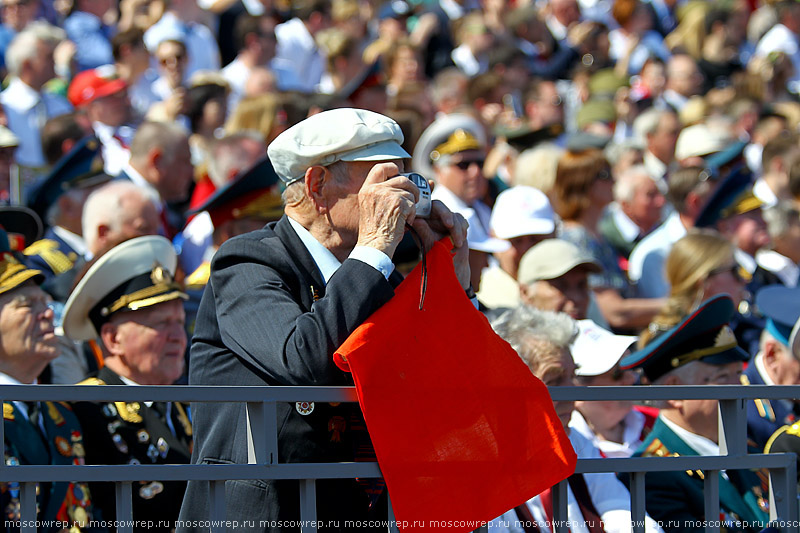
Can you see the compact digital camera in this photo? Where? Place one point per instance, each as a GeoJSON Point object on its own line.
{"type": "Point", "coordinates": [424, 204]}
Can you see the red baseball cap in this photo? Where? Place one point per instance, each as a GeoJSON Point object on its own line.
{"type": "Point", "coordinates": [92, 84]}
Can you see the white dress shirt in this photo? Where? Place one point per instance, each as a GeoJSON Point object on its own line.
{"type": "Point", "coordinates": [646, 263]}
{"type": "Point", "coordinates": [27, 111]}
{"type": "Point", "coordinates": [780, 265]}
{"type": "Point", "coordinates": [115, 155]}
{"type": "Point", "coordinates": [297, 53]}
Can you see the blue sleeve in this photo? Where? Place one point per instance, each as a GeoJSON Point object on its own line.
{"type": "Point", "coordinates": [92, 44]}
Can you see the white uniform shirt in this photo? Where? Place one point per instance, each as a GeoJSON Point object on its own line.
{"type": "Point", "coordinates": [646, 264]}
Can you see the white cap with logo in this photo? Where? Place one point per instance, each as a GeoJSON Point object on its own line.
{"type": "Point", "coordinates": [596, 350]}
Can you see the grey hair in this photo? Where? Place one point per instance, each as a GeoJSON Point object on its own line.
{"type": "Point", "coordinates": [627, 182]}
{"type": "Point", "coordinates": [24, 46]}
{"type": "Point", "coordinates": [780, 218]}
{"type": "Point", "coordinates": [647, 123]}
{"type": "Point", "coordinates": [150, 135]}
{"type": "Point", "coordinates": [294, 193]}
{"type": "Point", "coordinates": [518, 326]}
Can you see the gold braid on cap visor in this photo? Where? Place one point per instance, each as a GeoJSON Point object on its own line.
{"type": "Point", "coordinates": [725, 340]}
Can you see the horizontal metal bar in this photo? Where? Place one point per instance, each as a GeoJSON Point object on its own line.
{"type": "Point", "coordinates": [188, 472]}
{"type": "Point", "coordinates": [217, 394]}
{"type": "Point", "coordinates": [684, 462]}
{"type": "Point", "coordinates": [27, 473]}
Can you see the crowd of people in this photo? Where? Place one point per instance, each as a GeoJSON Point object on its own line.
{"type": "Point", "coordinates": [208, 192]}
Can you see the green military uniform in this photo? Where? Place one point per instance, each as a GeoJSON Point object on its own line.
{"type": "Point", "coordinates": [135, 433]}
{"type": "Point", "coordinates": [675, 499]}
{"type": "Point", "coordinates": [52, 436]}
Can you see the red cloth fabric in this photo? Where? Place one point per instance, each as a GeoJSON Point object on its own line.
{"type": "Point", "coordinates": [462, 430]}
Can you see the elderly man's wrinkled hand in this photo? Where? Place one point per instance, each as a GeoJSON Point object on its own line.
{"type": "Point", "coordinates": [385, 205]}
{"type": "Point", "coordinates": [444, 223]}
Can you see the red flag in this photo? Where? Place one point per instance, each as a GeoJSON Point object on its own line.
{"type": "Point", "coordinates": [462, 430]}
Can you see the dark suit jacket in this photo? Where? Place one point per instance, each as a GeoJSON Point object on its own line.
{"type": "Point", "coordinates": [141, 434]}
{"type": "Point", "coordinates": [765, 417]}
{"type": "Point", "coordinates": [675, 499]}
{"type": "Point", "coordinates": [267, 318]}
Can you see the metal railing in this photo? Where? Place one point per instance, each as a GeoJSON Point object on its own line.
{"type": "Point", "coordinates": [264, 461]}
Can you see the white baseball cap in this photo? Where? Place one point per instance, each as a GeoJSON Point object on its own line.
{"type": "Point", "coordinates": [700, 140]}
{"type": "Point", "coordinates": [345, 134]}
{"type": "Point", "coordinates": [522, 210]}
{"type": "Point", "coordinates": [477, 237]}
{"type": "Point", "coordinates": [596, 350]}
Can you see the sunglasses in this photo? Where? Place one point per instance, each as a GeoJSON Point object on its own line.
{"type": "Point", "coordinates": [733, 270]}
{"type": "Point", "coordinates": [164, 61]}
{"type": "Point", "coordinates": [604, 175]}
{"type": "Point", "coordinates": [464, 165]}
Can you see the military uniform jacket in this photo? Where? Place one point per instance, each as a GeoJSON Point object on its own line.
{"type": "Point", "coordinates": [60, 444]}
{"type": "Point", "coordinates": [675, 499]}
{"type": "Point", "coordinates": [51, 254]}
{"type": "Point", "coordinates": [268, 318]}
{"type": "Point", "coordinates": [133, 433]}
{"type": "Point", "coordinates": [764, 417]}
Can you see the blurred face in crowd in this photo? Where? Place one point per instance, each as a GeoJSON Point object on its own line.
{"type": "Point", "coordinates": [700, 416]}
{"type": "Point", "coordinates": [566, 294]}
{"type": "Point", "coordinates": [747, 231]}
{"type": "Point", "coordinates": [16, 14]}
{"type": "Point", "coordinates": [140, 218]}
{"type": "Point", "coordinates": [171, 57]}
{"type": "Point", "coordinates": [561, 374]}
{"type": "Point", "coordinates": [509, 260]}
{"type": "Point", "coordinates": [663, 140]}
{"type": "Point", "coordinates": [112, 110]}
{"type": "Point", "coordinates": [27, 336]}
{"type": "Point", "coordinates": [608, 414]}
{"type": "Point", "coordinates": [645, 206]}
{"type": "Point", "coordinates": [565, 11]}
{"type": "Point", "coordinates": [174, 171]}
{"type": "Point", "coordinates": [683, 76]}
{"type": "Point", "coordinates": [463, 175]}
{"type": "Point", "coordinates": [726, 279]}
{"type": "Point", "coordinates": [653, 77]}
{"type": "Point", "coordinates": [147, 345]}
{"type": "Point", "coordinates": [783, 367]}
{"type": "Point", "coordinates": [41, 66]}
{"type": "Point", "coordinates": [547, 109]}
{"type": "Point", "coordinates": [601, 192]}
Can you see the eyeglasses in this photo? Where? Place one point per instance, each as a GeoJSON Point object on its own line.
{"type": "Point", "coordinates": [733, 270]}
{"type": "Point", "coordinates": [164, 61]}
{"type": "Point", "coordinates": [464, 165]}
{"type": "Point", "coordinates": [603, 175]}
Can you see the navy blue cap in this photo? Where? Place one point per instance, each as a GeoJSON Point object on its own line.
{"type": "Point", "coordinates": [394, 9]}
{"type": "Point", "coordinates": [704, 336]}
{"type": "Point", "coordinates": [81, 167]}
{"type": "Point", "coordinates": [733, 196]}
{"type": "Point", "coordinates": [21, 225]}
{"type": "Point", "coordinates": [781, 307]}
{"type": "Point", "coordinates": [252, 193]}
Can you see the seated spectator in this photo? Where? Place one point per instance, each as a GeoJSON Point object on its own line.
{"type": "Point", "coordinates": [701, 350]}
{"type": "Point", "coordinates": [169, 87]}
{"type": "Point", "coordinates": [783, 258]}
{"type": "Point", "coordinates": [86, 27]}
{"type": "Point", "coordinates": [132, 63]}
{"type": "Point", "coordinates": [16, 15]}
{"type": "Point", "coordinates": [128, 302]}
{"type": "Point", "coordinates": [60, 135]}
{"type": "Point", "coordinates": [542, 340]}
{"type": "Point", "coordinates": [298, 63]}
{"type": "Point", "coordinates": [36, 432]}
{"type": "Point", "coordinates": [635, 40]}
{"type": "Point", "coordinates": [553, 276]}
{"type": "Point", "coordinates": [776, 363]}
{"type": "Point", "coordinates": [583, 188]}
{"type": "Point", "coordinates": [255, 40]}
{"type": "Point", "coordinates": [636, 211]}
{"type": "Point", "coordinates": [523, 217]}
{"type": "Point", "coordinates": [699, 266]}
{"type": "Point", "coordinates": [614, 426]}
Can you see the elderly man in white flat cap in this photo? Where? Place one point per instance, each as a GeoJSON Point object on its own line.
{"type": "Point", "coordinates": [282, 299]}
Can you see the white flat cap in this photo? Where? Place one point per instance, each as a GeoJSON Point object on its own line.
{"type": "Point", "coordinates": [345, 134]}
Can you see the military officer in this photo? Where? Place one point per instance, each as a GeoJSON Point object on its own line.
{"type": "Point", "coordinates": [36, 433]}
{"type": "Point", "coordinates": [128, 300]}
{"type": "Point", "coordinates": [776, 363]}
{"type": "Point", "coordinates": [59, 202]}
{"type": "Point", "coordinates": [701, 350]}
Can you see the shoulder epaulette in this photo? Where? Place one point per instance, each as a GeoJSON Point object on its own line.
{"type": "Point", "coordinates": [48, 250]}
{"type": "Point", "coordinates": [744, 379]}
{"type": "Point", "coordinates": [92, 381]}
{"type": "Point", "coordinates": [8, 411]}
{"type": "Point", "coordinates": [655, 449]}
{"type": "Point", "coordinates": [199, 278]}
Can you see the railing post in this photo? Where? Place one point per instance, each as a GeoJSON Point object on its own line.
{"type": "Point", "coordinates": [637, 501]}
{"type": "Point", "coordinates": [123, 491]}
{"type": "Point", "coordinates": [28, 507]}
{"type": "Point", "coordinates": [262, 433]}
{"type": "Point", "coordinates": [783, 496]}
{"type": "Point", "coordinates": [732, 427]}
{"type": "Point", "coordinates": [560, 514]}
{"type": "Point", "coordinates": [216, 490]}
{"type": "Point", "coordinates": [711, 500]}
{"type": "Point", "coordinates": [308, 505]}
{"type": "Point", "coordinates": [392, 520]}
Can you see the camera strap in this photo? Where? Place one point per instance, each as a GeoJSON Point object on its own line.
{"type": "Point", "coordinates": [423, 284]}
